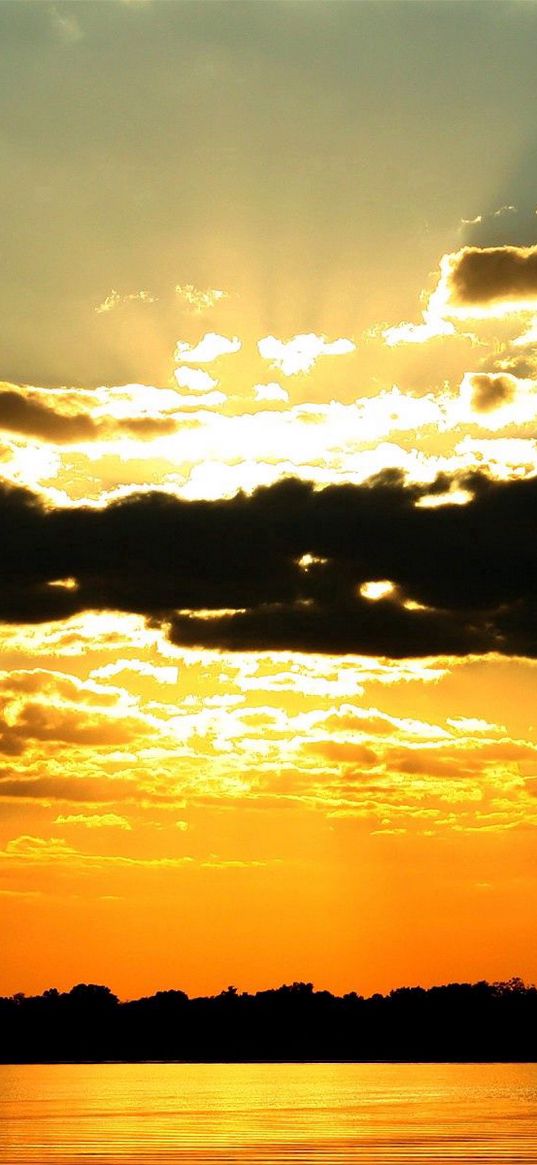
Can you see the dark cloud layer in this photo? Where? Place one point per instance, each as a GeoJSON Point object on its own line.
{"type": "Point", "coordinates": [473, 567]}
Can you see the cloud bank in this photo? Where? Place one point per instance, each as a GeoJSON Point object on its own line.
{"type": "Point", "coordinates": [285, 568]}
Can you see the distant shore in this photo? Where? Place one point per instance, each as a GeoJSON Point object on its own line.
{"type": "Point", "coordinates": [458, 1023]}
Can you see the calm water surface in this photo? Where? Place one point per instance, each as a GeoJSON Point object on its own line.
{"type": "Point", "coordinates": [252, 1114]}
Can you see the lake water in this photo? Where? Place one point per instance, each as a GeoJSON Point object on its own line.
{"type": "Point", "coordinates": [253, 1114]}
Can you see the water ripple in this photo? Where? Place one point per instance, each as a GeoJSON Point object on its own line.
{"type": "Point", "coordinates": [322, 1114]}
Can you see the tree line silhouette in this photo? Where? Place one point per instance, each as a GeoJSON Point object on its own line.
{"type": "Point", "coordinates": [459, 1021]}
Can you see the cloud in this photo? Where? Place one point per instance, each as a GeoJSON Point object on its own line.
{"type": "Point", "coordinates": [194, 448]}
{"type": "Point", "coordinates": [271, 391]}
{"type": "Point", "coordinates": [527, 339]}
{"type": "Point", "coordinates": [200, 300]}
{"type": "Point", "coordinates": [511, 456]}
{"type": "Point", "coordinates": [72, 419]}
{"type": "Point", "coordinates": [209, 348]}
{"type": "Point", "coordinates": [490, 392]}
{"type": "Point", "coordinates": [94, 820]}
{"type": "Point", "coordinates": [301, 352]}
{"type": "Point", "coordinates": [496, 399]}
{"type": "Point", "coordinates": [196, 379]}
{"type": "Point", "coordinates": [431, 328]}
{"type": "Point", "coordinates": [22, 413]}
{"type": "Point", "coordinates": [161, 673]}
{"type": "Point", "coordinates": [227, 574]}
{"type": "Point", "coordinates": [44, 851]}
{"type": "Point", "coordinates": [116, 300]}
{"type": "Point", "coordinates": [76, 790]}
{"type": "Point", "coordinates": [489, 279]}
{"type": "Point", "coordinates": [474, 283]}
{"type": "Point", "coordinates": [210, 400]}
{"type": "Point", "coordinates": [77, 636]}
{"type": "Point", "coordinates": [42, 708]}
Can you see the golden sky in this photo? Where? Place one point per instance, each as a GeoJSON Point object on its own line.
{"type": "Point", "coordinates": [268, 327]}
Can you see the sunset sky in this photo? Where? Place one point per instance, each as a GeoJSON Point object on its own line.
{"type": "Point", "coordinates": [268, 497]}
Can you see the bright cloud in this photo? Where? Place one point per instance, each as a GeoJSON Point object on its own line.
{"type": "Point", "coordinates": [211, 400]}
{"type": "Point", "coordinates": [431, 328]}
{"type": "Point", "coordinates": [161, 673]}
{"type": "Point", "coordinates": [209, 348]}
{"type": "Point", "coordinates": [272, 391]}
{"type": "Point", "coordinates": [185, 443]}
{"type": "Point", "coordinates": [195, 379]}
{"type": "Point", "coordinates": [301, 352]}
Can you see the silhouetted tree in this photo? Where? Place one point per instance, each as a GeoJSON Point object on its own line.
{"type": "Point", "coordinates": [459, 1021]}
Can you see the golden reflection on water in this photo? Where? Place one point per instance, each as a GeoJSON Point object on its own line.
{"type": "Point", "coordinates": [253, 1114]}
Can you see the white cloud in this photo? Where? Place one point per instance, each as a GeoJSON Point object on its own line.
{"type": "Point", "coordinates": [196, 379]}
{"type": "Point", "coordinates": [503, 457]}
{"type": "Point", "coordinates": [209, 348]}
{"type": "Point", "coordinates": [163, 674]}
{"type": "Point", "coordinates": [393, 411]}
{"type": "Point", "coordinates": [209, 401]}
{"type": "Point", "coordinates": [405, 333]}
{"type": "Point", "coordinates": [200, 300]}
{"type": "Point", "coordinates": [301, 352]}
{"type": "Point", "coordinates": [272, 391]}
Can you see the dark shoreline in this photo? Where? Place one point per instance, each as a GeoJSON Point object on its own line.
{"type": "Point", "coordinates": [455, 1023]}
{"type": "Point", "coordinates": [220, 1063]}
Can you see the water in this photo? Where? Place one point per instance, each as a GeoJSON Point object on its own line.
{"type": "Point", "coordinates": [253, 1114]}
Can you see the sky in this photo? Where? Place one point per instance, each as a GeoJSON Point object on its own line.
{"type": "Point", "coordinates": [268, 486]}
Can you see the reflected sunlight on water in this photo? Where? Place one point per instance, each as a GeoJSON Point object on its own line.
{"type": "Point", "coordinates": [252, 1114]}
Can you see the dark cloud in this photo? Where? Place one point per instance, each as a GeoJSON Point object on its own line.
{"type": "Point", "coordinates": [491, 392]}
{"type": "Point", "coordinates": [471, 569]}
{"type": "Point", "coordinates": [24, 414]}
{"type": "Point", "coordinates": [18, 414]}
{"type": "Point", "coordinates": [83, 790]}
{"type": "Point", "coordinates": [487, 275]}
